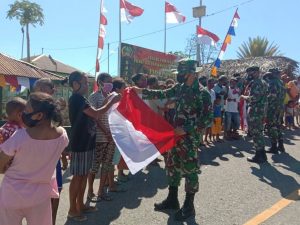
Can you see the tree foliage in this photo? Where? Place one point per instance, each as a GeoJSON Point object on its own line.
{"type": "Point", "coordinates": [28, 13]}
{"type": "Point", "coordinates": [208, 53]}
{"type": "Point", "coordinates": [258, 46]}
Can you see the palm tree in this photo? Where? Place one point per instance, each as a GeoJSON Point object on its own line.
{"type": "Point", "coordinates": [28, 13]}
{"type": "Point", "coordinates": [258, 47]}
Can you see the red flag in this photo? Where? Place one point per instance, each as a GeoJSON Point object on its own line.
{"type": "Point", "coordinates": [131, 124]}
{"type": "Point", "coordinates": [103, 20]}
{"type": "Point", "coordinates": [129, 11]}
{"type": "Point", "coordinates": [172, 14]}
{"type": "Point", "coordinates": [236, 15]}
{"type": "Point", "coordinates": [101, 36]}
{"type": "Point", "coordinates": [100, 42]}
{"type": "Point", "coordinates": [97, 66]}
{"type": "Point", "coordinates": [206, 37]}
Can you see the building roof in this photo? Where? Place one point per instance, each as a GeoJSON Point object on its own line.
{"type": "Point", "coordinates": [229, 67]}
{"type": "Point", "coordinates": [48, 63]}
{"type": "Point", "coordinates": [13, 67]}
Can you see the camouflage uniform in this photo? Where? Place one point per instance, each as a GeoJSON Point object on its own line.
{"type": "Point", "coordinates": [193, 111]}
{"type": "Point", "coordinates": [256, 111]}
{"type": "Point", "coordinates": [275, 96]}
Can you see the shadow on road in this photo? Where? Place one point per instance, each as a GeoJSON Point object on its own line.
{"type": "Point", "coordinates": [145, 184]}
{"type": "Point", "coordinates": [171, 221]}
{"type": "Point", "coordinates": [236, 148]}
{"type": "Point", "coordinates": [207, 156]}
{"type": "Point", "coordinates": [268, 174]}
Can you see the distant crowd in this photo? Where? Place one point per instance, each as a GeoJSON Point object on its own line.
{"type": "Point", "coordinates": [33, 155]}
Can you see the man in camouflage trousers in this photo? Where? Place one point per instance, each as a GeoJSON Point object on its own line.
{"type": "Point", "coordinates": [275, 111]}
{"type": "Point", "coordinates": [257, 101]}
{"type": "Point", "coordinates": [193, 112]}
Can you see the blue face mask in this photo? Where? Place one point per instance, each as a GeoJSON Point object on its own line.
{"type": "Point", "coordinates": [28, 121]}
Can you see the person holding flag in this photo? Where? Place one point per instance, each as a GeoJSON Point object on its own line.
{"type": "Point", "coordinates": [192, 114]}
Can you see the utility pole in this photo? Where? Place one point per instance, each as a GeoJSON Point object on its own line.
{"type": "Point", "coordinates": [198, 44]}
{"type": "Point", "coordinates": [199, 12]}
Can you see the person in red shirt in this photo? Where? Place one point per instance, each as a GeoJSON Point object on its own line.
{"type": "Point", "coordinates": [14, 109]}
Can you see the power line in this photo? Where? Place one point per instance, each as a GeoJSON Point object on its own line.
{"type": "Point", "coordinates": [104, 59]}
{"type": "Point", "coordinates": [157, 31]}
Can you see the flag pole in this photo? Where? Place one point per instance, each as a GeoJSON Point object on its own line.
{"type": "Point", "coordinates": [120, 40]}
{"type": "Point", "coordinates": [198, 57]}
{"type": "Point", "coordinates": [225, 37]}
{"type": "Point", "coordinates": [165, 38]}
{"type": "Point", "coordinates": [98, 39]}
{"type": "Point", "coordinates": [227, 32]}
{"type": "Point", "coordinates": [108, 57]}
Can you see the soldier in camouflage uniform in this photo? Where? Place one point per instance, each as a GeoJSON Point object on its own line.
{"type": "Point", "coordinates": [193, 112]}
{"type": "Point", "coordinates": [276, 95]}
{"type": "Point", "coordinates": [257, 101]}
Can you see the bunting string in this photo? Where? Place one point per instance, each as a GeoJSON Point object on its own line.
{"type": "Point", "coordinates": [227, 41]}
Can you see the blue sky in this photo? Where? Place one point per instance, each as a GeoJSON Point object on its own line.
{"type": "Point", "coordinates": [74, 24]}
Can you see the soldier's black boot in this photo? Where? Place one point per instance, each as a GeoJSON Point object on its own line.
{"type": "Point", "coordinates": [281, 146]}
{"type": "Point", "coordinates": [171, 202]}
{"type": "Point", "coordinates": [187, 209]}
{"type": "Point", "coordinates": [259, 157]}
{"type": "Point", "coordinates": [273, 149]}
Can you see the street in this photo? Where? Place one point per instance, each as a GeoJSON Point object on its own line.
{"type": "Point", "coordinates": [232, 191]}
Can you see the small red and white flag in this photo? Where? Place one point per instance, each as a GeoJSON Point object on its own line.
{"type": "Point", "coordinates": [173, 15]}
{"type": "Point", "coordinates": [129, 11]}
{"type": "Point", "coordinates": [140, 134]}
{"type": "Point", "coordinates": [101, 37]}
{"type": "Point", "coordinates": [206, 37]}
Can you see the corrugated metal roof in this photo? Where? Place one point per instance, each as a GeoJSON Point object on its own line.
{"type": "Point", "coordinates": [13, 67]}
{"type": "Point", "coordinates": [48, 63]}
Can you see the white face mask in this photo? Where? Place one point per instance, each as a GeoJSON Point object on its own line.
{"type": "Point", "coordinates": [107, 87]}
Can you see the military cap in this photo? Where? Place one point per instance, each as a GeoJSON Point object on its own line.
{"type": "Point", "coordinates": [267, 75]}
{"type": "Point", "coordinates": [223, 77]}
{"type": "Point", "coordinates": [186, 66]}
{"type": "Point", "coordinates": [236, 75]}
{"type": "Point", "coordinates": [274, 70]}
{"type": "Point", "coordinates": [234, 79]}
{"type": "Point", "coordinates": [252, 69]}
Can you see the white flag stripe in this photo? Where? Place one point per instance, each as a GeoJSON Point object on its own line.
{"type": "Point", "coordinates": [174, 17]}
{"type": "Point", "coordinates": [235, 22]}
{"type": "Point", "coordinates": [102, 32]}
{"type": "Point", "coordinates": [24, 82]}
{"type": "Point", "coordinates": [204, 39]}
{"type": "Point", "coordinates": [125, 16]}
{"type": "Point", "coordinates": [221, 55]}
{"type": "Point", "coordinates": [139, 149]}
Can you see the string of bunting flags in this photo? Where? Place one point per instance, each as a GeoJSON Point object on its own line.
{"type": "Point", "coordinates": [227, 41]}
{"type": "Point", "coordinates": [17, 84]}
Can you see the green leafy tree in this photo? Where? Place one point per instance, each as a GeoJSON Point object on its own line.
{"type": "Point", "coordinates": [28, 13]}
{"type": "Point", "coordinates": [258, 47]}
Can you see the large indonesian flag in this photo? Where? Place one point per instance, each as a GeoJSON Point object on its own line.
{"type": "Point", "coordinates": [206, 37]}
{"type": "Point", "coordinates": [140, 134]}
{"type": "Point", "coordinates": [172, 14]}
{"type": "Point", "coordinates": [129, 11]}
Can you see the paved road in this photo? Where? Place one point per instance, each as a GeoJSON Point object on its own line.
{"type": "Point", "coordinates": [232, 191]}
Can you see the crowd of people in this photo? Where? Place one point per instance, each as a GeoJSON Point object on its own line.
{"type": "Point", "coordinates": [202, 110]}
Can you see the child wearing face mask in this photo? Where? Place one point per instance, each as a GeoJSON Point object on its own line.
{"type": "Point", "coordinates": [26, 189]}
{"type": "Point", "coordinates": [82, 141]}
{"type": "Point", "coordinates": [14, 109]}
{"type": "Point", "coordinates": [105, 146]}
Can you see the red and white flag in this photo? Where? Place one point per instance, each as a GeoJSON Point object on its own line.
{"type": "Point", "coordinates": [173, 15]}
{"type": "Point", "coordinates": [206, 37]}
{"type": "Point", "coordinates": [101, 36]}
{"type": "Point", "coordinates": [129, 11]}
{"type": "Point", "coordinates": [140, 134]}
